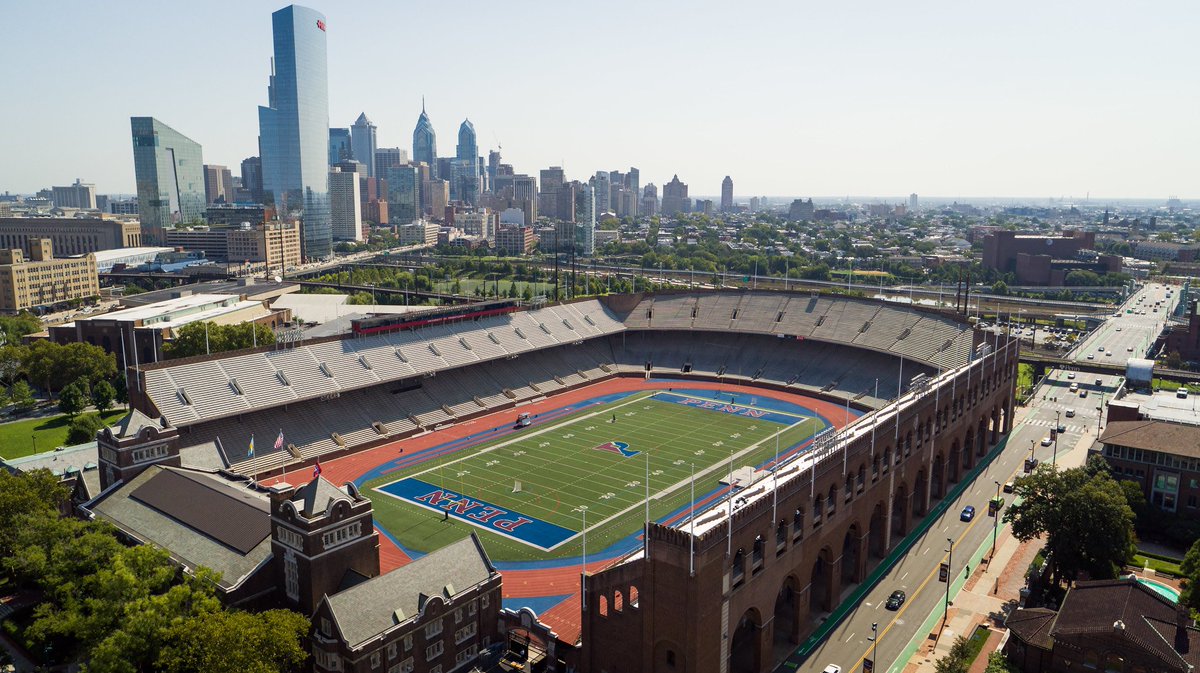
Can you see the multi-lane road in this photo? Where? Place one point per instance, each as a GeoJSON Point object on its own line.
{"type": "Point", "coordinates": [917, 572]}
{"type": "Point", "coordinates": [1131, 329]}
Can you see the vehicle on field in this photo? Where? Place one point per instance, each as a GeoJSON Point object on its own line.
{"type": "Point", "coordinates": [522, 421]}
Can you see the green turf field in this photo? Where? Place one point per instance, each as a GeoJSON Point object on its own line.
{"type": "Point", "coordinates": [560, 470]}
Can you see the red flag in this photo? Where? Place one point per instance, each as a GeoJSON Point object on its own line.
{"type": "Point", "coordinates": [317, 469]}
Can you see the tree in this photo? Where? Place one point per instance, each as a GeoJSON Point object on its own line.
{"type": "Point", "coordinates": [29, 493]}
{"type": "Point", "coordinates": [957, 660]}
{"type": "Point", "coordinates": [236, 641]}
{"type": "Point", "coordinates": [103, 394]}
{"type": "Point", "coordinates": [1085, 516]}
{"type": "Point", "coordinates": [55, 365]}
{"type": "Point", "coordinates": [83, 428]}
{"type": "Point", "coordinates": [1190, 596]}
{"type": "Point", "coordinates": [12, 362]}
{"type": "Point", "coordinates": [73, 398]}
{"type": "Point", "coordinates": [1000, 288]}
{"type": "Point", "coordinates": [1082, 277]}
{"type": "Point", "coordinates": [998, 663]}
{"type": "Point", "coordinates": [21, 395]}
{"type": "Point", "coordinates": [200, 338]}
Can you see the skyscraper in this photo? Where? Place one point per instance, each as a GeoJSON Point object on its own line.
{"type": "Point", "coordinates": [465, 169]}
{"type": "Point", "coordinates": [467, 147]}
{"type": "Point", "coordinates": [169, 169]}
{"type": "Point", "coordinates": [602, 192]}
{"type": "Point", "coordinates": [386, 157]}
{"type": "Point", "coordinates": [403, 193]}
{"type": "Point", "coordinates": [294, 127]}
{"type": "Point", "coordinates": [339, 146]}
{"type": "Point", "coordinates": [425, 142]}
{"type": "Point", "coordinates": [252, 178]}
{"type": "Point", "coordinates": [364, 144]}
{"type": "Point", "coordinates": [218, 184]}
{"type": "Point", "coordinates": [79, 195]}
{"type": "Point", "coordinates": [727, 195]}
{"type": "Point", "coordinates": [345, 209]}
{"type": "Point", "coordinates": [674, 197]}
{"type": "Point", "coordinates": [913, 203]}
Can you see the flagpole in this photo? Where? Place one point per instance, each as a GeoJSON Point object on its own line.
{"type": "Point", "coordinates": [692, 536]}
{"type": "Point", "coordinates": [646, 534]}
{"type": "Point", "coordinates": [775, 488]}
{"type": "Point", "coordinates": [729, 543]}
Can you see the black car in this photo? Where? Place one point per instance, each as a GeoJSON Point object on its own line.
{"type": "Point", "coordinates": [895, 600]}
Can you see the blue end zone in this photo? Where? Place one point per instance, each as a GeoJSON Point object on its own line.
{"type": "Point", "coordinates": [533, 532]}
{"type": "Point", "coordinates": [736, 404]}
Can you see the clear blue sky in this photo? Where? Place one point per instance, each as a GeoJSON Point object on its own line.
{"type": "Point", "coordinates": [790, 98]}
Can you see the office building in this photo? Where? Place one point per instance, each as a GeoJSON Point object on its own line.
{"type": "Point", "coordinates": [43, 280]}
{"type": "Point", "coordinates": [437, 197]}
{"type": "Point", "coordinates": [912, 203]}
{"type": "Point", "coordinates": [345, 206]}
{"type": "Point", "coordinates": [218, 184]}
{"type": "Point", "coordinates": [465, 169]}
{"type": "Point", "coordinates": [425, 141]}
{"type": "Point", "coordinates": [339, 146]}
{"type": "Point", "coordinates": [70, 236]}
{"type": "Point", "coordinates": [477, 223]}
{"type": "Point", "coordinates": [294, 127]}
{"type": "Point", "coordinates": [169, 169]}
{"type": "Point", "coordinates": [585, 215]}
{"type": "Point", "coordinates": [235, 214]}
{"type": "Point", "coordinates": [275, 245]}
{"type": "Point", "coordinates": [727, 195]}
{"type": "Point", "coordinates": [420, 232]}
{"type": "Point", "coordinates": [121, 206]}
{"type": "Point", "coordinates": [389, 157]}
{"type": "Point", "coordinates": [602, 191]}
{"type": "Point", "coordinates": [514, 240]}
{"type": "Point", "coordinates": [551, 181]}
{"type": "Point", "coordinates": [802, 210]}
{"type": "Point", "coordinates": [649, 205]}
{"type": "Point", "coordinates": [674, 197]}
{"type": "Point", "coordinates": [252, 178]}
{"type": "Point", "coordinates": [403, 193]}
{"type": "Point", "coordinates": [363, 143]}
{"type": "Point", "coordinates": [1037, 259]}
{"type": "Point", "coordinates": [80, 195]}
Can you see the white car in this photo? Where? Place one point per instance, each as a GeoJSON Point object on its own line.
{"type": "Point", "coordinates": [1046, 441]}
{"type": "Point", "coordinates": [1070, 375]}
{"type": "Point", "coordinates": [1091, 356]}
{"type": "Point", "coordinates": [1101, 349]}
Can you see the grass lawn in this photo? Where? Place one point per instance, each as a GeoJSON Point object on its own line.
{"type": "Point", "coordinates": [560, 470]}
{"type": "Point", "coordinates": [1158, 563]}
{"type": "Point", "coordinates": [976, 642]}
{"type": "Point", "coordinates": [17, 439]}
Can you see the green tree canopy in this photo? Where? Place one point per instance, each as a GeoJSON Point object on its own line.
{"type": "Point", "coordinates": [1084, 514]}
{"type": "Point", "coordinates": [21, 395]}
{"type": "Point", "coordinates": [55, 365]}
{"type": "Point", "coordinates": [202, 337]}
{"type": "Point", "coordinates": [103, 394]}
{"type": "Point", "coordinates": [83, 428]}
{"type": "Point", "coordinates": [74, 398]}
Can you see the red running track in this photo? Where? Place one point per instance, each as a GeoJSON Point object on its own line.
{"type": "Point", "coordinates": [563, 580]}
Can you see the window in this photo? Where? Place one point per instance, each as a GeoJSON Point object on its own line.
{"type": "Point", "coordinates": [375, 659]}
{"type": "Point", "coordinates": [436, 669]}
{"type": "Point", "coordinates": [433, 629]}
{"type": "Point", "coordinates": [289, 537]}
{"type": "Point", "coordinates": [472, 608]}
{"type": "Point", "coordinates": [326, 627]}
{"type": "Point", "coordinates": [327, 660]}
{"type": "Point", "coordinates": [408, 643]}
{"type": "Point", "coordinates": [434, 651]}
{"type": "Point", "coordinates": [405, 666]}
{"type": "Point", "coordinates": [465, 633]}
{"type": "Point", "coordinates": [392, 649]}
{"type": "Point", "coordinates": [466, 655]}
{"type": "Point", "coordinates": [341, 535]}
{"type": "Point", "coordinates": [484, 601]}
{"type": "Point", "coordinates": [458, 616]}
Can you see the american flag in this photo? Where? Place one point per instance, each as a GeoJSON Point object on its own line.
{"type": "Point", "coordinates": [279, 441]}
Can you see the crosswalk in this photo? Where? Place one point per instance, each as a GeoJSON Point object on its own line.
{"type": "Point", "coordinates": [1045, 423]}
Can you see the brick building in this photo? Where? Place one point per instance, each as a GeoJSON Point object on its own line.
{"type": "Point", "coordinates": [1044, 260]}
{"type": "Point", "coordinates": [1118, 626]}
{"type": "Point", "coordinates": [44, 280]}
{"type": "Point", "coordinates": [1185, 339]}
{"type": "Point", "coordinates": [70, 236]}
{"type": "Point", "coordinates": [1162, 457]}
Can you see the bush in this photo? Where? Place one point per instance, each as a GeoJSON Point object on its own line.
{"type": "Point", "coordinates": [83, 428]}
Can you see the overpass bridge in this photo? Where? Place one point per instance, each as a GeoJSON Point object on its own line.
{"type": "Point", "coordinates": [1043, 361]}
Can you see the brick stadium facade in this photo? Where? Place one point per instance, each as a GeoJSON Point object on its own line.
{"type": "Point", "coordinates": [725, 603]}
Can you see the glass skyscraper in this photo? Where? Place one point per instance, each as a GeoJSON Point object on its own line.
{"type": "Point", "coordinates": [294, 127]}
{"type": "Point", "coordinates": [169, 170]}
{"type": "Point", "coordinates": [403, 193]}
{"type": "Point", "coordinates": [339, 146]}
{"type": "Point", "coordinates": [465, 169]}
{"type": "Point", "coordinates": [425, 142]}
{"type": "Point", "coordinates": [364, 143]}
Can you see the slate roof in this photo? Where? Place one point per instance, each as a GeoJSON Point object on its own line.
{"type": "Point", "coordinates": [1135, 611]}
{"type": "Point", "coordinates": [314, 498]}
{"type": "Point", "coordinates": [366, 610]}
{"type": "Point", "coordinates": [1176, 439]}
{"type": "Point", "coordinates": [187, 545]}
{"type": "Point", "coordinates": [1032, 626]}
{"type": "Point", "coordinates": [132, 423]}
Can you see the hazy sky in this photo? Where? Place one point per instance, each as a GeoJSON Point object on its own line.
{"type": "Point", "coordinates": [789, 98]}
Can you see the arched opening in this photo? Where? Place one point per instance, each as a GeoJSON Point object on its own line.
{"type": "Point", "coordinates": [968, 460]}
{"type": "Point", "coordinates": [900, 512]}
{"type": "Point", "coordinates": [919, 487]}
{"type": "Point", "coordinates": [831, 502]}
{"type": "Point", "coordinates": [850, 557]}
{"type": "Point", "coordinates": [955, 456]}
{"type": "Point", "coordinates": [786, 631]}
{"type": "Point", "coordinates": [602, 606]}
{"type": "Point", "coordinates": [875, 536]}
{"type": "Point", "coordinates": [818, 589]}
{"type": "Point", "coordinates": [861, 483]}
{"type": "Point", "coordinates": [668, 657]}
{"type": "Point", "coordinates": [633, 597]}
{"type": "Point", "coordinates": [938, 472]}
{"type": "Point", "coordinates": [743, 650]}
{"type": "Point", "coordinates": [618, 602]}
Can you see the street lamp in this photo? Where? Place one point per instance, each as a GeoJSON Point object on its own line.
{"type": "Point", "coordinates": [874, 638]}
{"type": "Point", "coordinates": [34, 437]}
{"type": "Point", "coordinates": [949, 579]}
{"type": "Point", "coordinates": [1057, 426]}
{"type": "Point", "coordinates": [582, 509]}
{"type": "Point", "coordinates": [995, 523]}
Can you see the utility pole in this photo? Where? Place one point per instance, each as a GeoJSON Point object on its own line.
{"type": "Point", "coordinates": [874, 638]}
{"type": "Point", "coordinates": [949, 579]}
{"type": "Point", "coordinates": [1057, 421]}
{"type": "Point", "coordinates": [995, 523]}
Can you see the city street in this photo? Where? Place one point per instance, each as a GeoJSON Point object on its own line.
{"type": "Point", "coordinates": [917, 572]}
{"type": "Point", "coordinates": [1128, 333]}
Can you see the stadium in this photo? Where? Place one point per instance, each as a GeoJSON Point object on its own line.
{"type": "Point", "coordinates": [752, 454]}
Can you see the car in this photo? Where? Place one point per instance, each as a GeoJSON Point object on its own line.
{"type": "Point", "coordinates": [1129, 349]}
{"type": "Point", "coordinates": [967, 514]}
{"type": "Point", "coordinates": [1118, 329]}
{"type": "Point", "coordinates": [1100, 382]}
{"type": "Point", "coordinates": [895, 600]}
{"type": "Point", "coordinates": [1074, 387]}
{"type": "Point", "coordinates": [1101, 349]}
{"type": "Point", "coordinates": [1061, 428]}
{"type": "Point", "coordinates": [1009, 486]}
{"type": "Point", "coordinates": [1070, 413]}
{"type": "Point", "coordinates": [1108, 354]}
{"type": "Point", "coordinates": [1046, 441]}
{"type": "Point", "coordinates": [1091, 356]}
{"type": "Point", "coordinates": [1070, 375]}
{"type": "Point", "coordinates": [833, 668]}
{"type": "Point", "coordinates": [1083, 392]}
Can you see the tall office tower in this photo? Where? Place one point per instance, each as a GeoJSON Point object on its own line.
{"type": "Point", "coordinates": [550, 181]}
{"type": "Point", "coordinates": [345, 207]}
{"type": "Point", "coordinates": [79, 195]}
{"type": "Point", "coordinates": [565, 201]}
{"type": "Point", "coordinates": [602, 192]}
{"type": "Point", "coordinates": [585, 215]}
{"type": "Point", "coordinates": [912, 203]}
{"type": "Point", "coordinates": [754, 204]}
{"type": "Point", "coordinates": [339, 146]}
{"type": "Point", "coordinates": [169, 169]}
{"type": "Point", "coordinates": [403, 194]}
{"type": "Point", "coordinates": [467, 147]}
{"type": "Point", "coordinates": [437, 197]}
{"type": "Point", "coordinates": [363, 143]}
{"type": "Point", "coordinates": [727, 195]}
{"type": "Point", "coordinates": [674, 197]}
{"type": "Point", "coordinates": [465, 169]}
{"type": "Point", "coordinates": [493, 168]}
{"type": "Point", "coordinates": [294, 127]}
{"type": "Point", "coordinates": [389, 157]}
{"type": "Point", "coordinates": [649, 205]}
{"type": "Point", "coordinates": [218, 184]}
{"type": "Point", "coordinates": [525, 193]}
{"type": "Point", "coordinates": [425, 141]}
{"type": "Point", "coordinates": [252, 178]}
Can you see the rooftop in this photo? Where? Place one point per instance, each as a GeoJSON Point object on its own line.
{"type": "Point", "coordinates": [1165, 406]}
{"type": "Point", "coordinates": [1172, 438]}
{"type": "Point", "coordinates": [251, 288]}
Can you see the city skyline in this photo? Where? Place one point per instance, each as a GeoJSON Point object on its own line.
{"type": "Point", "coordinates": [939, 100]}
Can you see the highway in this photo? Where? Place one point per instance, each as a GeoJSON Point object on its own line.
{"type": "Point", "coordinates": [917, 571]}
{"type": "Point", "coordinates": [1130, 332]}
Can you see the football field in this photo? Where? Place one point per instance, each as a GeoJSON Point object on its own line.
{"type": "Point", "coordinates": [527, 492]}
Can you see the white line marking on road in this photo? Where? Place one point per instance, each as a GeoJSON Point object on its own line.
{"type": "Point", "coordinates": [903, 576]}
